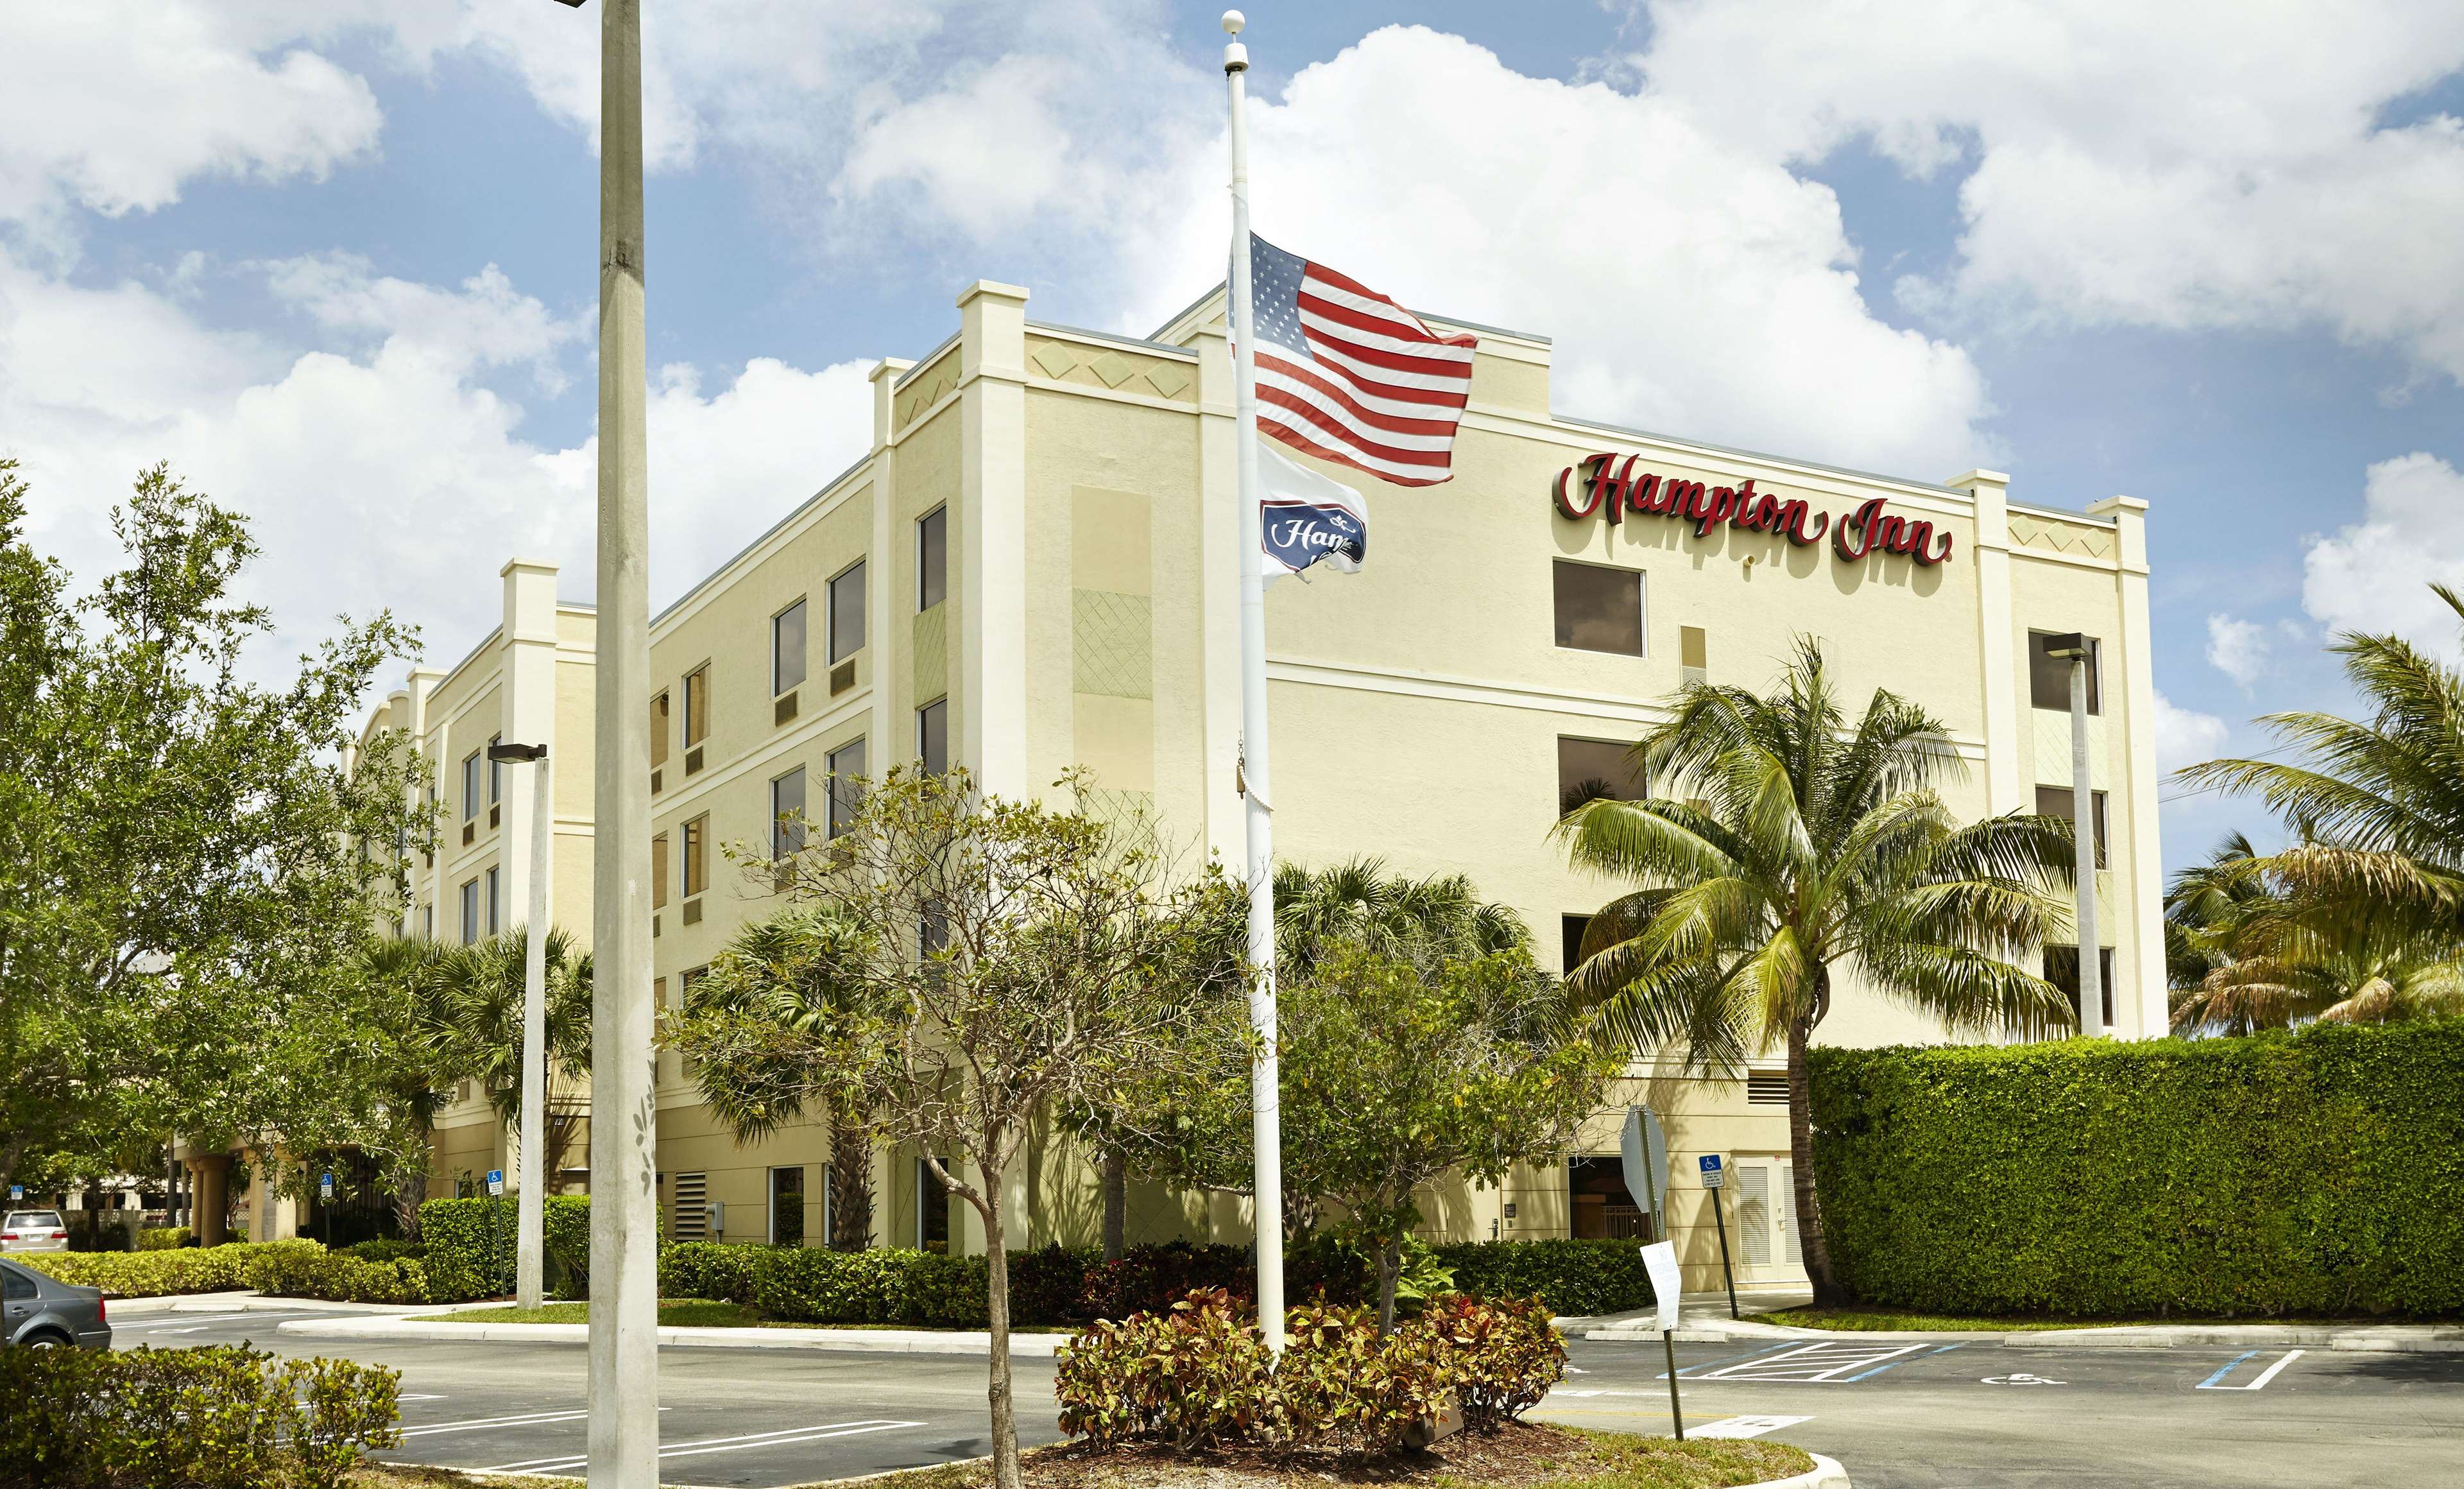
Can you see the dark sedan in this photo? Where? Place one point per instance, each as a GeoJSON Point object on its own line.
{"type": "Point", "coordinates": [42, 1313]}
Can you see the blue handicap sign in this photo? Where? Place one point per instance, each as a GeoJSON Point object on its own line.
{"type": "Point", "coordinates": [495, 1181]}
{"type": "Point", "coordinates": [16, 1192]}
{"type": "Point", "coordinates": [1713, 1174]}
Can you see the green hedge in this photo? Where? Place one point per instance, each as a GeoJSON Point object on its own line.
{"type": "Point", "coordinates": [288, 1268]}
{"type": "Point", "coordinates": [220, 1417]}
{"type": "Point", "coordinates": [1575, 1278]}
{"type": "Point", "coordinates": [2320, 1173]}
{"type": "Point", "coordinates": [471, 1244]}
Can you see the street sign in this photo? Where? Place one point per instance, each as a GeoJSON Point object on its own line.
{"type": "Point", "coordinates": [17, 1193]}
{"type": "Point", "coordinates": [495, 1182]}
{"type": "Point", "coordinates": [1644, 1147]}
{"type": "Point", "coordinates": [325, 1186]}
{"type": "Point", "coordinates": [1713, 1173]}
{"type": "Point", "coordinates": [1660, 1262]}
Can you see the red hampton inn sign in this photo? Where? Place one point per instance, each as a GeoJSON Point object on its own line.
{"type": "Point", "coordinates": [1609, 485]}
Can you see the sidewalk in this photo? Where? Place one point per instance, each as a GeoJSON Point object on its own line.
{"type": "Point", "coordinates": [424, 1326]}
{"type": "Point", "coordinates": [1704, 1320]}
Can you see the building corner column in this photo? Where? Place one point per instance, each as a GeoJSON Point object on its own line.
{"type": "Point", "coordinates": [993, 538]}
{"type": "Point", "coordinates": [1998, 651]}
{"type": "Point", "coordinates": [892, 623]}
{"type": "Point", "coordinates": [2145, 910]}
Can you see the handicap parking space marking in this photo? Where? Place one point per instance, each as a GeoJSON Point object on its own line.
{"type": "Point", "coordinates": [2215, 1382]}
{"type": "Point", "coordinates": [782, 1438]}
{"type": "Point", "coordinates": [2020, 1378]}
{"type": "Point", "coordinates": [1744, 1426]}
{"type": "Point", "coordinates": [1827, 1362]}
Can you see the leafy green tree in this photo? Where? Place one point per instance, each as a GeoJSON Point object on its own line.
{"type": "Point", "coordinates": [783, 989]}
{"type": "Point", "coordinates": [480, 992]}
{"type": "Point", "coordinates": [1002, 973]}
{"type": "Point", "coordinates": [1793, 844]}
{"type": "Point", "coordinates": [182, 869]}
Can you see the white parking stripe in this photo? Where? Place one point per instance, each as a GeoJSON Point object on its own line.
{"type": "Point", "coordinates": [785, 1437]}
{"type": "Point", "coordinates": [1808, 1364]}
{"type": "Point", "coordinates": [2213, 1382]}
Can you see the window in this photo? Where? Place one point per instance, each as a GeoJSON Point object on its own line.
{"type": "Point", "coordinates": [933, 558]}
{"type": "Point", "coordinates": [1694, 652]}
{"type": "Point", "coordinates": [658, 731]}
{"type": "Point", "coordinates": [15, 1285]}
{"type": "Point", "coordinates": [470, 785]}
{"type": "Point", "coordinates": [427, 923]}
{"type": "Point", "coordinates": [932, 1210]}
{"type": "Point", "coordinates": [1571, 929]}
{"type": "Point", "coordinates": [933, 736]}
{"type": "Point", "coordinates": [787, 814]}
{"type": "Point", "coordinates": [2049, 677]}
{"type": "Point", "coordinates": [495, 903]}
{"type": "Point", "coordinates": [2056, 801]}
{"type": "Point", "coordinates": [659, 871]}
{"type": "Point", "coordinates": [787, 649]}
{"type": "Point", "coordinates": [495, 774]}
{"type": "Point", "coordinates": [787, 1205]}
{"type": "Point", "coordinates": [1599, 609]}
{"type": "Point", "coordinates": [846, 613]}
{"type": "Point", "coordinates": [846, 786]}
{"type": "Point", "coordinates": [696, 705]}
{"type": "Point", "coordinates": [1589, 769]}
{"type": "Point", "coordinates": [2063, 969]}
{"type": "Point", "coordinates": [697, 856]}
{"type": "Point", "coordinates": [469, 911]}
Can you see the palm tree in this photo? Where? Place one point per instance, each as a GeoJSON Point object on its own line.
{"type": "Point", "coordinates": [747, 1025]}
{"type": "Point", "coordinates": [481, 991]}
{"type": "Point", "coordinates": [2318, 932]}
{"type": "Point", "coordinates": [1796, 843]}
{"type": "Point", "coordinates": [2388, 790]}
{"type": "Point", "coordinates": [1358, 901]}
{"type": "Point", "coordinates": [415, 1071]}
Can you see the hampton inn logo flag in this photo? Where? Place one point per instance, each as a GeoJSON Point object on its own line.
{"type": "Point", "coordinates": [1347, 375]}
{"type": "Point", "coordinates": [1304, 517]}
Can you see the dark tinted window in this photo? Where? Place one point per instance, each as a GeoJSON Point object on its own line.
{"type": "Point", "coordinates": [2049, 677]}
{"type": "Point", "coordinates": [1591, 769]}
{"type": "Point", "coordinates": [787, 647]}
{"type": "Point", "coordinates": [847, 615]}
{"type": "Point", "coordinates": [787, 814]}
{"type": "Point", "coordinates": [846, 786]}
{"type": "Point", "coordinates": [1599, 609]}
{"type": "Point", "coordinates": [2061, 970]}
{"type": "Point", "coordinates": [932, 559]}
{"type": "Point", "coordinates": [2054, 801]}
{"type": "Point", "coordinates": [1572, 928]}
{"type": "Point", "coordinates": [14, 1283]}
{"type": "Point", "coordinates": [933, 736]}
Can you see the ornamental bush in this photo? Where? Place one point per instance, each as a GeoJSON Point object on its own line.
{"type": "Point", "coordinates": [306, 1268]}
{"type": "Point", "coordinates": [1575, 1278]}
{"type": "Point", "coordinates": [164, 1238]}
{"type": "Point", "coordinates": [1198, 1374]}
{"type": "Point", "coordinates": [2318, 1172]}
{"type": "Point", "coordinates": [220, 1417]}
{"type": "Point", "coordinates": [148, 1274]}
{"type": "Point", "coordinates": [472, 1245]}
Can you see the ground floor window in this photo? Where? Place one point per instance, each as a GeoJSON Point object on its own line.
{"type": "Point", "coordinates": [787, 1205]}
{"type": "Point", "coordinates": [1602, 1209]}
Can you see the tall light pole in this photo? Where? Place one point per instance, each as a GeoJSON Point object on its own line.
{"type": "Point", "coordinates": [530, 1234]}
{"type": "Point", "coordinates": [2080, 652]}
{"type": "Point", "coordinates": [624, 1422]}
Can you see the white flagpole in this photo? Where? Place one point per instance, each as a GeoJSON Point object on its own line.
{"type": "Point", "coordinates": [1265, 1118]}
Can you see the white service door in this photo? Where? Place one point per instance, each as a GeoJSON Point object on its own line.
{"type": "Point", "coordinates": [1766, 1221]}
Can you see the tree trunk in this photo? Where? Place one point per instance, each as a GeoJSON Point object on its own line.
{"type": "Point", "coordinates": [410, 1187]}
{"type": "Point", "coordinates": [1390, 1271]}
{"type": "Point", "coordinates": [851, 1184]}
{"type": "Point", "coordinates": [1116, 1203]}
{"type": "Point", "coordinates": [1810, 1239]}
{"type": "Point", "coordinates": [1006, 1464]}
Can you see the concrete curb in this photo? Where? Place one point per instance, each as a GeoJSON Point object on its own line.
{"type": "Point", "coordinates": [901, 1342]}
{"type": "Point", "coordinates": [2360, 1337]}
{"type": "Point", "coordinates": [1826, 1474]}
{"type": "Point", "coordinates": [250, 1303]}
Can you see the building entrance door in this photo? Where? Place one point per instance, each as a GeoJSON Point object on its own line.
{"type": "Point", "coordinates": [1765, 1220]}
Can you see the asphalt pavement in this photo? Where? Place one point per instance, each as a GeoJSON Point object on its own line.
{"type": "Point", "coordinates": [1900, 1415]}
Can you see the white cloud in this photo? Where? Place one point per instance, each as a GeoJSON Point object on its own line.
{"type": "Point", "coordinates": [2238, 648]}
{"type": "Point", "coordinates": [2199, 164]}
{"type": "Point", "coordinates": [1691, 286]}
{"type": "Point", "coordinates": [2184, 736]}
{"type": "Point", "coordinates": [2375, 574]}
{"type": "Point", "coordinates": [385, 475]}
{"type": "Point", "coordinates": [111, 107]}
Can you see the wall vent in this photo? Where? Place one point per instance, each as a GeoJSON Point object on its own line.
{"type": "Point", "coordinates": [1767, 1087]}
{"type": "Point", "coordinates": [495, 815]}
{"type": "Point", "coordinates": [782, 710]}
{"type": "Point", "coordinates": [842, 677]}
{"type": "Point", "coordinates": [692, 1208]}
{"type": "Point", "coordinates": [658, 782]}
{"type": "Point", "coordinates": [693, 914]}
{"type": "Point", "coordinates": [693, 760]}
{"type": "Point", "coordinates": [470, 833]}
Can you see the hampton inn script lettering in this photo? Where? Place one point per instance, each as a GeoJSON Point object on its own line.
{"type": "Point", "coordinates": [1609, 485]}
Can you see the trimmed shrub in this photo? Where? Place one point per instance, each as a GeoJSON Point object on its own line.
{"type": "Point", "coordinates": [165, 1238]}
{"type": "Point", "coordinates": [1574, 1278]}
{"type": "Point", "coordinates": [914, 1288]}
{"type": "Point", "coordinates": [306, 1268]}
{"type": "Point", "coordinates": [1049, 1287]}
{"type": "Point", "coordinates": [384, 1249]}
{"type": "Point", "coordinates": [220, 1417]}
{"type": "Point", "coordinates": [148, 1274]}
{"type": "Point", "coordinates": [472, 1245]}
{"type": "Point", "coordinates": [716, 1270]}
{"type": "Point", "coordinates": [1195, 1375]}
{"type": "Point", "coordinates": [1150, 1278]}
{"type": "Point", "coordinates": [2318, 1172]}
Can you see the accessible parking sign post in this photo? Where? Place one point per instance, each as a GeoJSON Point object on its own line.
{"type": "Point", "coordinates": [1715, 1177]}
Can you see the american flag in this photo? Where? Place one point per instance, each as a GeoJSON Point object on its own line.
{"type": "Point", "coordinates": [1347, 375]}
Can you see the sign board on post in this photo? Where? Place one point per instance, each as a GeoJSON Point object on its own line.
{"type": "Point", "coordinates": [495, 1182]}
{"type": "Point", "coordinates": [17, 1193]}
{"type": "Point", "coordinates": [1667, 1289]}
{"type": "Point", "coordinates": [1643, 1148]}
{"type": "Point", "coordinates": [325, 1186]}
{"type": "Point", "coordinates": [1714, 1174]}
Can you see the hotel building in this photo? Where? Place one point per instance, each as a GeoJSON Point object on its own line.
{"type": "Point", "coordinates": [1034, 567]}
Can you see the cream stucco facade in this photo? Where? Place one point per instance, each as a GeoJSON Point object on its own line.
{"type": "Point", "coordinates": [1083, 614]}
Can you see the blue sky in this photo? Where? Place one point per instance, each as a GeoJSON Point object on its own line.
{"type": "Point", "coordinates": [338, 263]}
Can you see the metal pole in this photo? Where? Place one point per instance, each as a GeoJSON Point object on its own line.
{"type": "Point", "coordinates": [624, 1424]}
{"type": "Point", "coordinates": [1727, 1274]}
{"type": "Point", "coordinates": [531, 1227]}
{"type": "Point", "coordinates": [2091, 972]}
{"type": "Point", "coordinates": [1675, 1414]}
{"type": "Point", "coordinates": [1266, 1120]}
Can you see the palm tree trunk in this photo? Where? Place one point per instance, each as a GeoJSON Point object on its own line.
{"type": "Point", "coordinates": [851, 1182]}
{"type": "Point", "coordinates": [1116, 1203]}
{"type": "Point", "coordinates": [1811, 1241]}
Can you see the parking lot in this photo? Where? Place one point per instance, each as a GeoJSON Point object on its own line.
{"type": "Point", "coordinates": [1940, 1416]}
